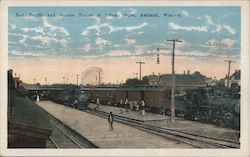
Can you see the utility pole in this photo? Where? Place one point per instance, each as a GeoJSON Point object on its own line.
{"type": "Point", "coordinates": [136, 75]}
{"type": "Point", "coordinates": [77, 75]}
{"type": "Point", "coordinates": [82, 78]}
{"type": "Point", "coordinates": [140, 67]}
{"type": "Point", "coordinates": [173, 79]}
{"type": "Point", "coordinates": [228, 73]}
{"type": "Point", "coordinates": [99, 76]}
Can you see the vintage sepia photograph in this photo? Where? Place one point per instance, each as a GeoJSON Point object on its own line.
{"type": "Point", "coordinates": [125, 77]}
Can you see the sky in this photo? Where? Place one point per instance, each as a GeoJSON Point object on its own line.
{"type": "Point", "coordinates": [57, 42]}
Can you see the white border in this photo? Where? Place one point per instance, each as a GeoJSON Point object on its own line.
{"type": "Point", "coordinates": [245, 110]}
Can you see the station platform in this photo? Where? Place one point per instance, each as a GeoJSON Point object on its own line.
{"type": "Point", "coordinates": [130, 114]}
{"type": "Point", "coordinates": [96, 130]}
{"type": "Point", "coordinates": [180, 124]}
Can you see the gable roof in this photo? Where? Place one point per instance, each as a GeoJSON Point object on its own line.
{"type": "Point", "coordinates": [236, 75]}
{"type": "Point", "coordinates": [181, 80]}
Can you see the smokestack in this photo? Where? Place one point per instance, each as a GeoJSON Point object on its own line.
{"type": "Point", "coordinates": [153, 73]}
{"type": "Point", "coordinates": [159, 74]}
{"type": "Point", "coordinates": [184, 72]}
{"type": "Point", "coordinates": [188, 72]}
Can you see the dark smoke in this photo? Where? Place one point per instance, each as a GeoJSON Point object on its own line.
{"type": "Point", "coordinates": [90, 75]}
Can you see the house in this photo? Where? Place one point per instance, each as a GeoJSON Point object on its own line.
{"type": "Point", "coordinates": [233, 79]}
{"type": "Point", "coordinates": [182, 81]}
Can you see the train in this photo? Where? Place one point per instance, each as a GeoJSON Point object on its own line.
{"type": "Point", "coordinates": [156, 98]}
{"type": "Point", "coordinates": [212, 106]}
{"type": "Point", "coordinates": [203, 104]}
{"type": "Point", "coordinates": [70, 95]}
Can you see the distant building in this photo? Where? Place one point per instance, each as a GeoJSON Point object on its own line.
{"type": "Point", "coordinates": [233, 79]}
{"type": "Point", "coordinates": [182, 81]}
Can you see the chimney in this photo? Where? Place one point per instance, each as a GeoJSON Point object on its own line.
{"type": "Point", "coordinates": [153, 73]}
{"type": "Point", "coordinates": [184, 72]}
{"type": "Point", "coordinates": [188, 72]}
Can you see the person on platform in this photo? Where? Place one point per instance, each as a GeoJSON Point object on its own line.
{"type": "Point", "coordinates": [121, 102]}
{"type": "Point", "coordinates": [143, 107]}
{"type": "Point", "coordinates": [97, 104]}
{"type": "Point", "coordinates": [126, 105]}
{"type": "Point", "coordinates": [111, 120]}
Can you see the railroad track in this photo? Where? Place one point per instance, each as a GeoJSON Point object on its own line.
{"type": "Point", "coordinates": [65, 137]}
{"type": "Point", "coordinates": [194, 140]}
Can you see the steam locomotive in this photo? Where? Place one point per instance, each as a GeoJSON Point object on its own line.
{"type": "Point", "coordinates": [213, 106]}
{"type": "Point", "coordinates": [70, 95]}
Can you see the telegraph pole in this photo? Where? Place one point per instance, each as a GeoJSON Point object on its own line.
{"type": "Point", "coordinates": [173, 78]}
{"type": "Point", "coordinates": [77, 75]}
{"type": "Point", "coordinates": [99, 76]}
{"type": "Point", "coordinates": [228, 73]}
{"type": "Point", "coordinates": [140, 67]}
{"type": "Point", "coordinates": [82, 78]}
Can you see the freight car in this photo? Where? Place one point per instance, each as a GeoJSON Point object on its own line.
{"type": "Point", "coordinates": [69, 95]}
{"type": "Point", "coordinates": [157, 99]}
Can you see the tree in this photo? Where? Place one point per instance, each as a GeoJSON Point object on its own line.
{"type": "Point", "coordinates": [137, 82]}
{"type": "Point", "coordinates": [145, 80]}
{"type": "Point", "coordinates": [133, 82]}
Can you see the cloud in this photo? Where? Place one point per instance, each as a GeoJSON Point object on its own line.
{"type": "Point", "coordinates": [229, 29]}
{"type": "Point", "coordinates": [187, 28]}
{"type": "Point", "coordinates": [12, 26]}
{"type": "Point", "coordinates": [46, 40]}
{"type": "Point", "coordinates": [224, 43]}
{"type": "Point", "coordinates": [54, 28]}
{"type": "Point", "coordinates": [23, 40]}
{"type": "Point", "coordinates": [27, 54]}
{"type": "Point", "coordinates": [228, 42]}
{"type": "Point", "coordinates": [118, 53]}
{"type": "Point", "coordinates": [100, 41]}
{"type": "Point", "coordinates": [193, 54]}
{"type": "Point", "coordinates": [97, 28]}
{"type": "Point", "coordinates": [87, 48]}
{"type": "Point", "coordinates": [219, 26]}
{"type": "Point", "coordinates": [130, 41]}
{"type": "Point", "coordinates": [186, 14]}
{"type": "Point", "coordinates": [47, 34]}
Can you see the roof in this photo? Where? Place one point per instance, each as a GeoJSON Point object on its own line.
{"type": "Point", "coordinates": [182, 80]}
{"type": "Point", "coordinates": [236, 75]}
